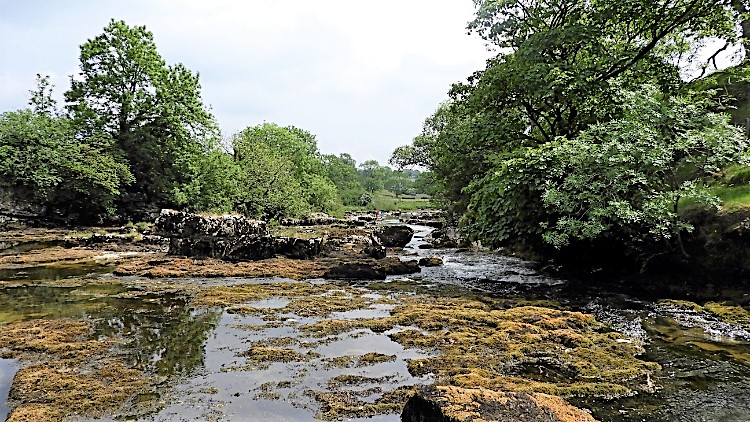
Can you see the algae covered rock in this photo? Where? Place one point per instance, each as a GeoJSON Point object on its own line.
{"type": "Point", "coordinates": [454, 404]}
{"type": "Point", "coordinates": [431, 261]}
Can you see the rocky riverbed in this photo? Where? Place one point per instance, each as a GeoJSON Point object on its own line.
{"type": "Point", "coordinates": [117, 329]}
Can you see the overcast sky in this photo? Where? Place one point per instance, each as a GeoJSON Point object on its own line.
{"type": "Point", "coordinates": [361, 75]}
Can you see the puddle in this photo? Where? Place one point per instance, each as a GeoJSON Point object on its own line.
{"type": "Point", "coordinates": [14, 247]}
{"type": "Point", "coordinates": [55, 272]}
{"type": "Point", "coordinates": [8, 368]}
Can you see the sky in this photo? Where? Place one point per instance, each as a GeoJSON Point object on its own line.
{"type": "Point", "coordinates": [360, 75]}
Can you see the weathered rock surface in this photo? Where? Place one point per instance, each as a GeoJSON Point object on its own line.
{"type": "Point", "coordinates": [229, 237]}
{"type": "Point", "coordinates": [395, 236]}
{"type": "Point", "coordinates": [371, 269]}
{"type": "Point", "coordinates": [177, 224]}
{"type": "Point", "coordinates": [317, 219]}
{"type": "Point", "coordinates": [454, 404]}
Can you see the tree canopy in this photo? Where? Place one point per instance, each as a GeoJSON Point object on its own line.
{"type": "Point", "coordinates": [152, 111]}
{"type": "Point", "coordinates": [583, 125]}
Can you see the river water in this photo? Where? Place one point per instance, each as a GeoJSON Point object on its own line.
{"type": "Point", "coordinates": [197, 353]}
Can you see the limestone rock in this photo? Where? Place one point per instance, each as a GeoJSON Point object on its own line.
{"type": "Point", "coordinates": [395, 236]}
{"type": "Point", "coordinates": [455, 404]}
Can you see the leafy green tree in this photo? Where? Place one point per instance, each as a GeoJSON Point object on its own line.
{"type": "Point", "coordinates": [398, 182]}
{"type": "Point", "coordinates": [41, 153]}
{"type": "Point", "coordinates": [631, 173]}
{"type": "Point", "coordinates": [152, 111]}
{"type": "Point", "coordinates": [372, 175]}
{"type": "Point", "coordinates": [300, 150]}
{"type": "Point", "coordinates": [268, 188]}
{"type": "Point", "coordinates": [560, 69]}
{"type": "Point", "coordinates": [342, 171]}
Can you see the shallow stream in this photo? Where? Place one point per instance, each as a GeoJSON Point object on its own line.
{"type": "Point", "coordinates": [199, 356]}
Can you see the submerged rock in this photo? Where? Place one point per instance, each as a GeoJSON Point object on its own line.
{"type": "Point", "coordinates": [395, 236]}
{"type": "Point", "coordinates": [455, 404]}
{"type": "Point", "coordinates": [431, 261]}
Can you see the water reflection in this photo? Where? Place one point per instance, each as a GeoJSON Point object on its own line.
{"type": "Point", "coordinates": [8, 368]}
{"type": "Point", "coordinates": [163, 335]}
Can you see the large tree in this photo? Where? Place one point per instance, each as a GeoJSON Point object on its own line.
{"type": "Point", "coordinates": [153, 111]}
{"type": "Point", "coordinates": [560, 69]}
{"type": "Point", "coordinates": [298, 150]}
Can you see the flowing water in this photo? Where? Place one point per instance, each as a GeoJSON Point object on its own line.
{"type": "Point", "coordinates": [197, 354]}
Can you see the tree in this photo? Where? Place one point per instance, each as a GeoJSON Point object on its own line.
{"type": "Point", "coordinates": [39, 152]}
{"type": "Point", "coordinates": [342, 171]}
{"type": "Point", "coordinates": [153, 112]}
{"type": "Point", "coordinates": [267, 186]}
{"type": "Point", "coordinates": [560, 69]}
{"type": "Point", "coordinates": [623, 179]}
{"type": "Point", "coordinates": [631, 173]}
{"type": "Point", "coordinates": [296, 151]}
{"type": "Point", "coordinates": [372, 175]}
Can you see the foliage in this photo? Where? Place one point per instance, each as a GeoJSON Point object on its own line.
{"type": "Point", "coordinates": [624, 178]}
{"type": "Point", "coordinates": [342, 171]}
{"type": "Point", "coordinates": [295, 180]}
{"type": "Point", "coordinates": [152, 111]}
{"type": "Point", "coordinates": [40, 152]}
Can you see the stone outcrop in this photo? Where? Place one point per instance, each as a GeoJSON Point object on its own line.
{"type": "Point", "coordinates": [371, 269]}
{"type": "Point", "coordinates": [316, 219]}
{"type": "Point", "coordinates": [395, 236]}
{"type": "Point", "coordinates": [454, 404]}
{"type": "Point", "coordinates": [229, 237]}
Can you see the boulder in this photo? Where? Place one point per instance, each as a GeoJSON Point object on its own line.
{"type": "Point", "coordinates": [356, 271]}
{"type": "Point", "coordinates": [292, 247]}
{"type": "Point", "coordinates": [371, 269]}
{"type": "Point", "coordinates": [455, 404]}
{"type": "Point", "coordinates": [394, 266]}
{"type": "Point", "coordinates": [398, 235]}
{"type": "Point", "coordinates": [178, 224]}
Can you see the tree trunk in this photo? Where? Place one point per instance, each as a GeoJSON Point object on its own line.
{"type": "Point", "coordinates": [742, 8]}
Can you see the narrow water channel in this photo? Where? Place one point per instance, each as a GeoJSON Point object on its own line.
{"type": "Point", "coordinates": [201, 354]}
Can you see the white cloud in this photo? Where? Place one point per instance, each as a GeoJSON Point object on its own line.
{"type": "Point", "coordinates": [360, 75]}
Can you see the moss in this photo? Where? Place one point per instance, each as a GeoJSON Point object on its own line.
{"type": "Point", "coordinates": [74, 376]}
{"type": "Point", "coordinates": [348, 404]}
{"type": "Point", "coordinates": [681, 304]}
{"type": "Point", "coordinates": [472, 338]}
{"type": "Point", "coordinates": [729, 312]}
{"type": "Point", "coordinates": [96, 393]}
{"type": "Point", "coordinates": [358, 361]}
{"type": "Point", "coordinates": [170, 267]}
{"type": "Point", "coordinates": [261, 354]}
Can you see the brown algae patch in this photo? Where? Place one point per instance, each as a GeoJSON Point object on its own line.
{"type": "Point", "coordinates": [476, 345]}
{"type": "Point", "coordinates": [337, 405]}
{"type": "Point", "coordinates": [302, 299]}
{"type": "Point", "coordinates": [169, 267]}
{"type": "Point", "coordinates": [467, 342]}
{"type": "Point", "coordinates": [73, 375]}
{"type": "Point", "coordinates": [358, 361]}
{"type": "Point", "coordinates": [728, 312]}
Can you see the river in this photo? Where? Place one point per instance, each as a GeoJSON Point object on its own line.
{"type": "Point", "coordinates": [202, 357]}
